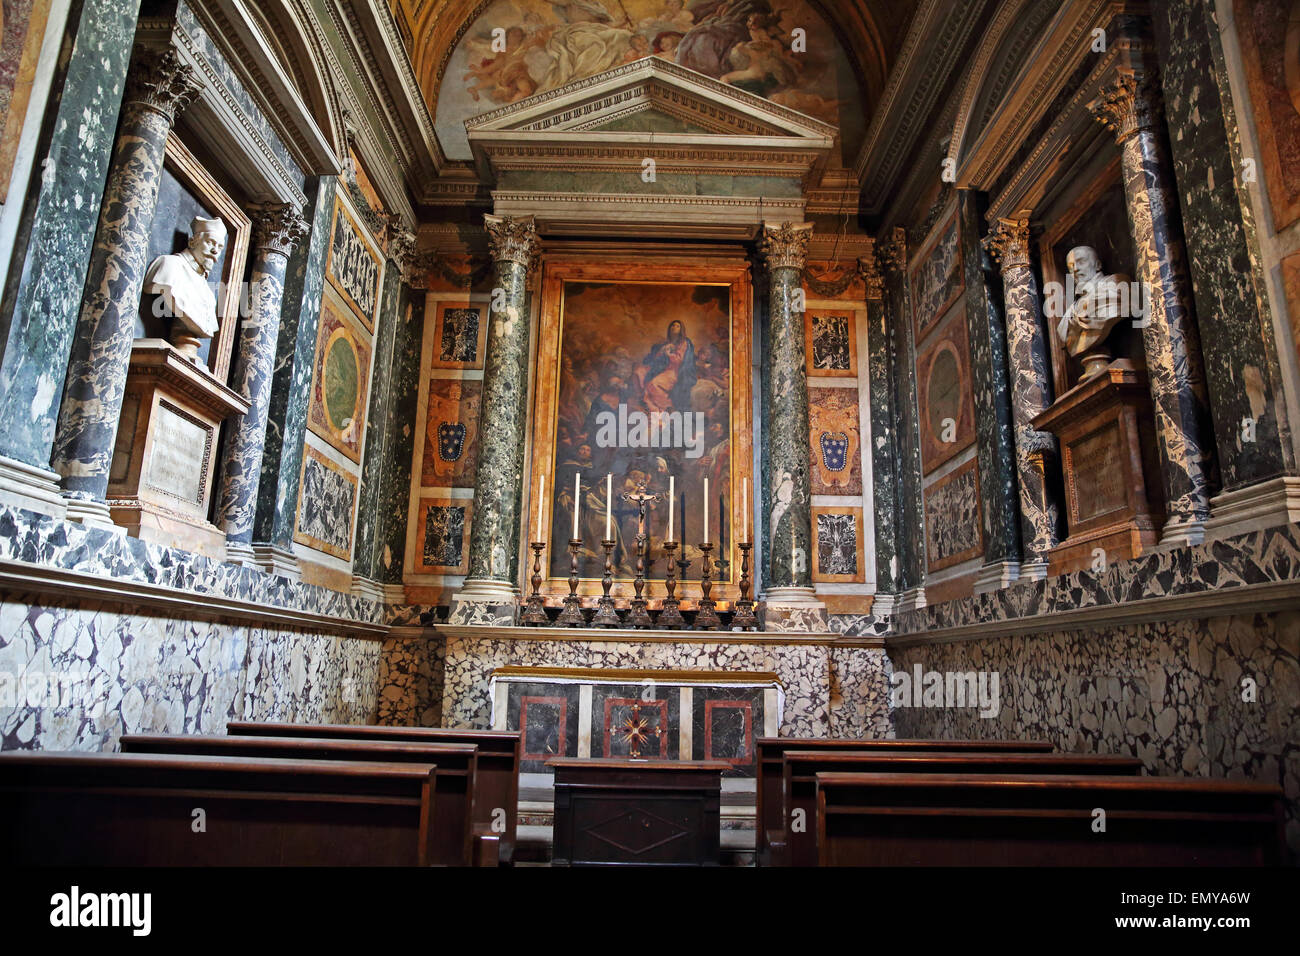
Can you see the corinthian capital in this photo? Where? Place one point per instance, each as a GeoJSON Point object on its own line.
{"type": "Point", "coordinates": [1008, 242]}
{"type": "Point", "coordinates": [786, 246]}
{"type": "Point", "coordinates": [277, 227]}
{"type": "Point", "coordinates": [1130, 104]}
{"type": "Point", "coordinates": [512, 240]}
{"type": "Point", "coordinates": [159, 81]}
{"type": "Point", "coordinates": [869, 268]}
{"type": "Point", "coordinates": [894, 251]}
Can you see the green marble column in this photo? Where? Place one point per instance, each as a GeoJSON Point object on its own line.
{"type": "Point", "coordinates": [884, 436]}
{"type": "Point", "coordinates": [158, 86]}
{"type": "Point", "coordinates": [790, 600]}
{"type": "Point", "coordinates": [488, 596]}
{"type": "Point", "coordinates": [39, 314]}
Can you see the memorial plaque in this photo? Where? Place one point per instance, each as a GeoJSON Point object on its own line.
{"type": "Point", "coordinates": [179, 461]}
{"type": "Point", "coordinates": [1097, 474]}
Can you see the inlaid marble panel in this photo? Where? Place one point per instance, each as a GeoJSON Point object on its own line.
{"type": "Point", "coordinates": [952, 518]}
{"type": "Point", "coordinates": [459, 335]}
{"type": "Point", "coordinates": [943, 378]}
{"type": "Point", "coordinates": [838, 547]}
{"type": "Point", "coordinates": [442, 537]}
{"type": "Point", "coordinates": [937, 277]}
{"type": "Point", "coordinates": [326, 505]}
{"type": "Point", "coordinates": [451, 433]}
{"type": "Point", "coordinates": [339, 386]}
{"type": "Point", "coordinates": [354, 265]}
{"type": "Point", "coordinates": [835, 436]}
{"type": "Point", "coordinates": [832, 342]}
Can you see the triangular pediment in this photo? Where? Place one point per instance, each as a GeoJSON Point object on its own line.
{"type": "Point", "coordinates": [650, 101]}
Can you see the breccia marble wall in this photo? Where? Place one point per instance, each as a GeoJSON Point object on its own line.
{"type": "Point", "coordinates": [1175, 694]}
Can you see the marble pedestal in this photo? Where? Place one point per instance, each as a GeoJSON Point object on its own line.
{"type": "Point", "coordinates": [793, 609]}
{"type": "Point", "coordinates": [160, 484]}
{"type": "Point", "coordinates": [1106, 431]}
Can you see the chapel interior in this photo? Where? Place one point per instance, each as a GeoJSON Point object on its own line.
{"type": "Point", "coordinates": [651, 431]}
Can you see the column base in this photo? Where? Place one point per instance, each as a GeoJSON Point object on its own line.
{"type": "Point", "coordinates": [1035, 570]}
{"type": "Point", "coordinates": [997, 575]}
{"type": "Point", "coordinates": [884, 605]}
{"type": "Point", "coordinates": [1180, 534]}
{"type": "Point", "coordinates": [1254, 508]}
{"type": "Point", "coordinates": [241, 553]}
{"type": "Point", "coordinates": [30, 488]}
{"type": "Point", "coordinates": [484, 603]}
{"type": "Point", "coordinates": [365, 588]}
{"type": "Point", "coordinates": [912, 599]}
{"type": "Point", "coordinates": [394, 594]}
{"type": "Point", "coordinates": [93, 514]}
{"type": "Point", "coordinates": [278, 561]}
{"type": "Point", "coordinates": [793, 609]}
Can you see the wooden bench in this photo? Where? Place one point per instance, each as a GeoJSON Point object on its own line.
{"type": "Point", "coordinates": [454, 841]}
{"type": "Point", "coordinates": [798, 846]}
{"type": "Point", "coordinates": [905, 819]}
{"type": "Point", "coordinates": [770, 750]}
{"type": "Point", "coordinates": [111, 809]}
{"type": "Point", "coordinates": [498, 764]}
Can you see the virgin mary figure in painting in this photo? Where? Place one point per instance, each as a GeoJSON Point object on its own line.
{"type": "Point", "coordinates": [667, 373]}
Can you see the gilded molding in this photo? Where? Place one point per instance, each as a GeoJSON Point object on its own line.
{"type": "Point", "coordinates": [1008, 243]}
{"type": "Point", "coordinates": [1130, 104]}
{"type": "Point", "coordinates": [785, 247]}
{"type": "Point", "coordinates": [870, 268]}
{"type": "Point", "coordinates": [511, 239]}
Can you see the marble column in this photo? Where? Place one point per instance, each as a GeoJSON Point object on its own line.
{"type": "Point", "coordinates": [277, 229]}
{"type": "Point", "coordinates": [488, 596]}
{"type": "Point", "coordinates": [790, 600]}
{"type": "Point", "coordinates": [286, 425]}
{"type": "Point", "coordinates": [39, 315]}
{"type": "Point", "coordinates": [910, 497]}
{"type": "Point", "coordinates": [884, 443]}
{"type": "Point", "coordinates": [994, 428]}
{"type": "Point", "coordinates": [1240, 341]}
{"type": "Point", "coordinates": [1131, 108]}
{"type": "Point", "coordinates": [158, 86]}
{"type": "Point", "coordinates": [1037, 453]}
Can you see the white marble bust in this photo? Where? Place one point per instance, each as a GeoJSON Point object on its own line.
{"type": "Point", "coordinates": [182, 282]}
{"type": "Point", "coordinates": [1100, 302]}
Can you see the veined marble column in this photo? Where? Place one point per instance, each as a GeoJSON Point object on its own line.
{"type": "Point", "coordinates": [488, 596]}
{"type": "Point", "coordinates": [1131, 108]}
{"type": "Point", "coordinates": [884, 436]}
{"type": "Point", "coordinates": [1031, 392]}
{"type": "Point", "coordinates": [790, 600]}
{"type": "Point", "coordinates": [158, 87]}
{"type": "Point", "coordinates": [277, 229]}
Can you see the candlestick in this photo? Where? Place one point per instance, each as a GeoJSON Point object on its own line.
{"type": "Point", "coordinates": [606, 615]}
{"type": "Point", "coordinates": [706, 614]}
{"type": "Point", "coordinates": [670, 615]}
{"type": "Point", "coordinates": [672, 499]}
{"type": "Point", "coordinates": [577, 502]}
{"type": "Point", "coordinates": [535, 611]}
{"type": "Point", "coordinates": [744, 618]}
{"type": "Point", "coordinates": [609, 500]}
{"type": "Point", "coordinates": [637, 615]}
{"type": "Point", "coordinates": [744, 509]}
{"type": "Point", "coordinates": [572, 615]}
{"type": "Point", "coordinates": [706, 508]}
{"type": "Point", "coordinates": [541, 503]}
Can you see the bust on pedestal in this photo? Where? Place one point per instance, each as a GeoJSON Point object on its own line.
{"type": "Point", "coordinates": [1101, 301]}
{"type": "Point", "coordinates": [181, 282]}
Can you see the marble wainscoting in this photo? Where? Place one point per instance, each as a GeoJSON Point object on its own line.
{"type": "Point", "coordinates": [1259, 569]}
{"type": "Point", "coordinates": [412, 663]}
{"type": "Point", "coordinates": [1215, 697]}
{"type": "Point", "coordinates": [77, 677]}
{"type": "Point", "coordinates": [833, 686]}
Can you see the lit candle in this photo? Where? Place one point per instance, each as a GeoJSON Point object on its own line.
{"type": "Point", "coordinates": [672, 498]}
{"type": "Point", "coordinates": [541, 503]}
{"type": "Point", "coordinates": [576, 503]}
{"type": "Point", "coordinates": [792, 551]}
{"type": "Point", "coordinates": [744, 509]}
{"type": "Point", "coordinates": [706, 510]}
{"type": "Point", "coordinates": [609, 498]}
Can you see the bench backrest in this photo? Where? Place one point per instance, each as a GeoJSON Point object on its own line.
{"type": "Point", "coordinates": [900, 819]}
{"type": "Point", "coordinates": [455, 784]}
{"type": "Point", "coordinates": [96, 809]}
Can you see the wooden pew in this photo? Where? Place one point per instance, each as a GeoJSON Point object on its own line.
{"type": "Point", "coordinates": [800, 769]}
{"type": "Point", "coordinates": [111, 809]}
{"type": "Point", "coordinates": [498, 764]}
{"type": "Point", "coordinates": [454, 843]}
{"type": "Point", "coordinates": [944, 819]}
{"type": "Point", "coordinates": [769, 751]}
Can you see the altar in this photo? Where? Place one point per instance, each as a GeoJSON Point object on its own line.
{"type": "Point", "coordinates": [637, 713]}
